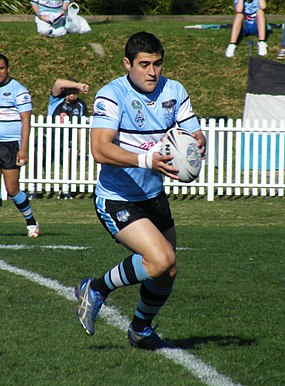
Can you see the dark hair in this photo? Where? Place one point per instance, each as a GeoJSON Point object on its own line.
{"type": "Point", "coordinates": [5, 59]}
{"type": "Point", "coordinates": [143, 42]}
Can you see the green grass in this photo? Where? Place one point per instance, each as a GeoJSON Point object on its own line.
{"type": "Point", "coordinates": [227, 307]}
{"type": "Point", "coordinates": [216, 85]}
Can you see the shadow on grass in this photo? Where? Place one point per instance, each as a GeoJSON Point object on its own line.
{"type": "Point", "coordinates": [196, 342]}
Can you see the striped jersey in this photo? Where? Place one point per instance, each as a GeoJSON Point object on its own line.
{"type": "Point", "coordinates": [49, 6]}
{"type": "Point", "coordinates": [14, 99]}
{"type": "Point", "coordinates": [141, 120]}
{"type": "Point", "coordinates": [250, 9]}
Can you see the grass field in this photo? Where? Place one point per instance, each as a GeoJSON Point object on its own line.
{"type": "Point", "coordinates": [216, 85]}
{"type": "Point", "coordinates": [226, 315]}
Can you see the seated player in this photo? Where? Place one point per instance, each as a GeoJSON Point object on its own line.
{"type": "Point", "coordinates": [249, 20]}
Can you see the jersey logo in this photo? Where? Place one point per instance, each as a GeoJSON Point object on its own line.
{"type": "Point", "coordinates": [6, 94]}
{"type": "Point", "coordinates": [150, 104]}
{"type": "Point", "coordinates": [169, 105]}
{"type": "Point", "coordinates": [139, 118]}
{"type": "Point", "coordinates": [100, 108]}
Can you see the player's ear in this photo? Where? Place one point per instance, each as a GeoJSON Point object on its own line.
{"type": "Point", "coordinates": [127, 64]}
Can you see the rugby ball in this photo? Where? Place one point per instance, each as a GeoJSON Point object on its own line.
{"type": "Point", "coordinates": [187, 158]}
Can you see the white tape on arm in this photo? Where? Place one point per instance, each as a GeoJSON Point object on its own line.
{"type": "Point", "coordinates": [145, 160]}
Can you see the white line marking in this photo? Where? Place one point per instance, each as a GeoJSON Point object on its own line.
{"type": "Point", "coordinates": [25, 246]}
{"type": "Point", "coordinates": [194, 365]}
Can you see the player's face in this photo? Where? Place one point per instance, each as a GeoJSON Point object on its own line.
{"type": "Point", "coordinates": [4, 72]}
{"type": "Point", "coordinates": [145, 71]}
{"type": "Point", "coordinates": [72, 97]}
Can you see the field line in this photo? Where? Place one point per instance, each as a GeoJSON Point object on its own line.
{"type": "Point", "coordinates": [194, 365]}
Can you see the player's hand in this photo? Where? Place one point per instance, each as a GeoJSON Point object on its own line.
{"type": "Point", "coordinates": [152, 159]}
{"type": "Point", "coordinates": [84, 88]}
{"type": "Point", "coordinates": [201, 142]}
{"type": "Point", "coordinates": [45, 18]}
{"type": "Point", "coordinates": [21, 158]}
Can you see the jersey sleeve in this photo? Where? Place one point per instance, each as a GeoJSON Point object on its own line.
{"type": "Point", "coordinates": [106, 110]}
{"type": "Point", "coordinates": [23, 100]}
{"type": "Point", "coordinates": [186, 118]}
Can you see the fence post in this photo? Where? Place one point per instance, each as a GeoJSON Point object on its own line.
{"type": "Point", "coordinates": [211, 160]}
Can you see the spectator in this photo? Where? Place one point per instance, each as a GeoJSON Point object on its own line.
{"type": "Point", "coordinates": [15, 114]}
{"type": "Point", "coordinates": [64, 102]}
{"type": "Point", "coordinates": [50, 16]}
{"type": "Point", "coordinates": [281, 53]}
{"type": "Point", "coordinates": [249, 20]}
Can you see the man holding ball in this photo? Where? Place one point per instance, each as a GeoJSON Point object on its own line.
{"type": "Point", "coordinates": [131, 116]}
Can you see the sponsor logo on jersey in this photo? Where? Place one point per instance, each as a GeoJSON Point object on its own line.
{"type": "Point", "coordinates": [147, 145]}
{"type": "Point", "coordinates": [123, 215]}
{"type": "Point", "coordinates": [6, 94]}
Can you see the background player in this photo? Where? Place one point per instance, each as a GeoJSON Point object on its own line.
{"type": "Point", "coordinates": [249, 20]}
{"type": "Point", "coordinates": [15, 114]}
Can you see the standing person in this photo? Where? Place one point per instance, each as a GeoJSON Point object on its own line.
{"type": "Point", "coordinates": [249, 20]}
{"type": "Point", "coordinates": [64, 102]}
{"type": "Point", "coordinates": [131, 115]}
{"type": "Point", "coordinates": [50, 16]}
{"type": "Point", "coordinates": [15, 114]}
{"type": "Point", "coordinates": [281, 53]}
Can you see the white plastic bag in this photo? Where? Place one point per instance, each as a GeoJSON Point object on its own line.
{"type": "Point", "coordinates": [75, 23]}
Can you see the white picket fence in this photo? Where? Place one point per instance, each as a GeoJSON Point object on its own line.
{"type": "Point", "coordinates": [242, 160]}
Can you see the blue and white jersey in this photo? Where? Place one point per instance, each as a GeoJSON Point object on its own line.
{"type": "Point", "coordinates": [47, 7]}
{"type": "Point", "coordinates": [140, 120]}
{"type": "Point", "coordinates": [250, 9]}
{"type": "Point", "coordinates": [14, 99]}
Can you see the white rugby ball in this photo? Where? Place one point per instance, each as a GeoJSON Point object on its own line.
{"type": "Point", "coordinates": [187, 158]}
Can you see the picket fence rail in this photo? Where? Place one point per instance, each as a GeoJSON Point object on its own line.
{"type": "Point", "coordinates": [242, 159]}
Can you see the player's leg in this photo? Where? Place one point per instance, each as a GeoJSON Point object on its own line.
{"type": "Point", "coordinates": [152, 297]}
{"type": "Point", "coordinates": [11, 172]}
{"type": "Point", "coordinates": [154, 256]}
{"type": "Point", "coordinates": [43, 27]}
{"type": "Point", "coordinates": [261, 31]}
{"type": "Point", "coordinates": [235, 35]}
{"type": "Point", "coordinates": [21, 201]}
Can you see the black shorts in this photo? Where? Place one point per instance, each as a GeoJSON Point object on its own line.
{"type": "Point", "coordinates": [116, 215]}
{"type": "Point", "coordinates": [8, 154]}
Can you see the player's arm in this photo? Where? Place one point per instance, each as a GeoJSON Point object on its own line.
{"type": "Point", "coordinates": [262, 5]}
{"type": "Point", "coordinates": [61, 84]}
{"type": "Point", "coordinates": [239, 6]}
{"type": "Point", "coordinates": [22, 155]}
{"type": "Point", "coordinates": [38, 14]}
{"type": "Point", "coordinates": [105, 151]}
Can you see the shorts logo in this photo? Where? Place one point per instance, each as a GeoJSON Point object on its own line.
{"type": "Point", "coordinates": [123, 215]}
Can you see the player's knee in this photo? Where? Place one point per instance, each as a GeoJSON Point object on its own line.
{"type": "Point", "coordinates": [165, 263]}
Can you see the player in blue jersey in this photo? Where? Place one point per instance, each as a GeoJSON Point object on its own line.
{"type": "Point", "coordinates": [15, 113]}
{"type": "Point", "coordinates": [50, 16]}
{"type": "Point", "coordinates": [249, 20]}
{"type": "Point", "coordinates": [131, 115]}
{"type": "Point", "coordinates": [64, 102]}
